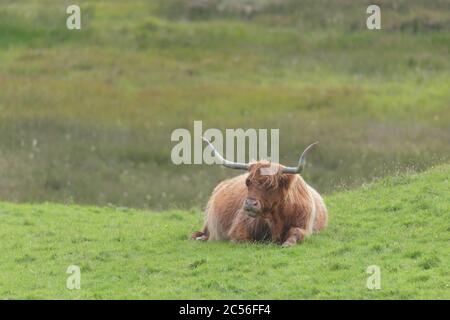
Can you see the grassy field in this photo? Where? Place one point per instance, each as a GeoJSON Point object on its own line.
{"type": "Point", "coordinates": [399, 223]}
{"type": "Point", "coordinates": [86, 116]}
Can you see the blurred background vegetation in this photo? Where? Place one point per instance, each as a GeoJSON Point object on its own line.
{"type": "Point", "coordinates": [86, 116]}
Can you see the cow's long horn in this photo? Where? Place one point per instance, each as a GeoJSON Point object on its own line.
{"type": "Point", "coordinates": [301, 162]}
{"type": "Point", "coordinates": [225, 162]}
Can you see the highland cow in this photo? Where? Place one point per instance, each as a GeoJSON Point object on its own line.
{"type": "Point", "coordinates": [270, 202]}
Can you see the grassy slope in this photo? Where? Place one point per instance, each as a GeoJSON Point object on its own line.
{"type": "Point", "coordinates": [399, 223]}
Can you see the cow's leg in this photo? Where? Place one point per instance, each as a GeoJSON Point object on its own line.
{"type": "Point", "coordinates": [294, 235]}
{"type": "Point", "coordinates": [239, 231]}
{"type": "Point", "coordinates": [201, 235]}
{"type": "Point", "coordinates": [277, 232]}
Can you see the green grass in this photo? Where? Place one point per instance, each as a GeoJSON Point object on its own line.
{"type": "Point", "coordinates": [400, 223]}
{"type": "Point", "coordinates": [86, 116]}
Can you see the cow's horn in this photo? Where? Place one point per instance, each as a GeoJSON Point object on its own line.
{"type": "Point", "coordinates": [301, 162]}
{"type": "Point", "coordinates": [225, 162]}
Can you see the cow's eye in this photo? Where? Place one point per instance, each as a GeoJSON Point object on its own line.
{"type": "Point", "coordinates": [247, 182]}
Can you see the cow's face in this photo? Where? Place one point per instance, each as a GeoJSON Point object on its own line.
{"type": "Point", "coordinates": [264, 190]}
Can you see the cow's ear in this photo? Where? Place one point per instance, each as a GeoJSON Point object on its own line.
{"type": "Point", "coordinates": [286, 180]}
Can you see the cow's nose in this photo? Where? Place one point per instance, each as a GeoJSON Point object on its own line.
{"type": "Point", "coordinates": [251, 204]}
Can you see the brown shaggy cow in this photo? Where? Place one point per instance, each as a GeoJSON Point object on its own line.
{"type": "Point", "coordinates": [276, 205]}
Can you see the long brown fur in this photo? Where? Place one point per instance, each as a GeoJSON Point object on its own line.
{"type": "Point", "coordinates": [291, 209]}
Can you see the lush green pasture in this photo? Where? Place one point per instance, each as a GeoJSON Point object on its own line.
{"type": "Point", "coordinates": [400, 224]}
{"type": "Point", "coordinates": [86, 116]}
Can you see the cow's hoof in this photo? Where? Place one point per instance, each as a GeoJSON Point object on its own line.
{"type": "Point", "coordinates": [197, 234]}
{"type": "Point", "coordinates": [201, 238]}
{"type": "Point", "coordinates": [287, 244]}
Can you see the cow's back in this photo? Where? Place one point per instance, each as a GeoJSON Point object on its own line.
{"type": "Point", "coordinates": [321, 214]}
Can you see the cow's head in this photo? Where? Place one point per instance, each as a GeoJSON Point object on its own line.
{"type": "Point", "coordinates": [267, 183]}
{"type": "Point", "coordinates": [266, 187]}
